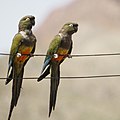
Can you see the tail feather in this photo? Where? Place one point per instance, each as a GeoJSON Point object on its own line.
{"type": "Point", "coordinates": [9, 77]}
{"type": "Point", "coordinates": [43, 75]}
{"type": "Point", "coordinates": [45, 69]}
{"type": "Point", "coordinates": [55, 77]}
{"type": "Point", "coordinates": [17, 83]}
{"type": "Point", "coordinates": [11, 108]}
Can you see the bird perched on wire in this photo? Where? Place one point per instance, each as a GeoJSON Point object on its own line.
{"type": "Point", "coordinates": [23, 46]}
{"type": "Point", "coordinates": [59, 49]}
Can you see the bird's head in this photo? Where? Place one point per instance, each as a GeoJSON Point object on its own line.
{"type": "Point", "coordinates": [69, 28]}
{"type": "Point", "coordinates": [26, 23]}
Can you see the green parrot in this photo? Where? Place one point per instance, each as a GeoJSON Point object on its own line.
{"type": "Point", "coordinates": [59, 49]}
{"type": "Point", "coordinates": [24, 43]}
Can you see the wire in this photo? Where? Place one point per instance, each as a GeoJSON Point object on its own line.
{"type": "Point", "coordinates": [77, 55]}
{"type": "Point", "coordinates": [74, 55]}
{"type": "Point", "coordinates": [78, 77]}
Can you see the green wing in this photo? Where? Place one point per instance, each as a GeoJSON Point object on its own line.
{"type": "Point", "coordinates": [54, 45]}
{"type": "Point", "coordinates": [16, 43]}
{"type": "Point", "coordinates": [14, 48]}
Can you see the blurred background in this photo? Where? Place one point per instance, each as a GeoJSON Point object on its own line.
{"type": "Point", "coordinates": [78, 99]}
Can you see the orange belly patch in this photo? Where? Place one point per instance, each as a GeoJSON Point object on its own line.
{"type": "Point", "coordinates": [24, 57]}
{"type": "Point", "coordinates": [61, 54]}
{"type": "Point", "coordinates": [59, 58]}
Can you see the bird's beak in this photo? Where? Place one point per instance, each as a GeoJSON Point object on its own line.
{"type": "Point", "coordinates": [33, 22]}
{"type": "Point", "coordinates": [76, 27]}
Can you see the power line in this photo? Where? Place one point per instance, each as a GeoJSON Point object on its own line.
{"type": "Point", "coordinates": [73, 55]}
{"type": "Point", "coordinates": [77, 77]}
{"type": "Point", "coordinates": [77, 55]}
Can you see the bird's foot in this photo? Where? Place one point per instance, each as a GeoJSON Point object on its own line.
{"type": "Point", "coordinates": [69, 56]}
{"type": "Point", "coordinates": [31, 55]}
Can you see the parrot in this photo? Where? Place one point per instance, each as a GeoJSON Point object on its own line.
{"type": "Point", "coordinates": [59, 48]}
{"type": "Point", "coordinates": [22, 48]}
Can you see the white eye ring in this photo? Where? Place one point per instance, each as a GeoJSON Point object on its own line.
{"type": "Point", "coordinates": [71, 25]}
{"type": "Point", "coordinates": [27, 19]}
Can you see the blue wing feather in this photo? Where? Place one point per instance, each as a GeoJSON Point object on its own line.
{"type": "Point", "coordinates": [46, 68]}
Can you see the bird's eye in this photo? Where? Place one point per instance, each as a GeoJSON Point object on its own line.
{"type": "Point", "coordinates": [71, 25]}
{"type": "Point", "coordinates": [27, 19]}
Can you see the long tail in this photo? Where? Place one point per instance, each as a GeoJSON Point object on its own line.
{"type": "Point", "coordinates": [9, 78]}
{"type": "Point", "coordinates": [44, 74]}
{"type": "Point", "coordinates": [46, 68]}
{"type": "Point", "coordinates": [9, 73]}
{"type": "Point", "coordinates": [17, 83]}
{"type": "Point", "coordinates": [55, 78]}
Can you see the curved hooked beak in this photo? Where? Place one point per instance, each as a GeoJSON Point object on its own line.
{"type": "Point", "coordinates": [33, 22]}
{"type": "Point", "coordinates": [75, 27]}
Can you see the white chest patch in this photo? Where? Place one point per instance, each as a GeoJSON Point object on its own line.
{"type": "Point", "coordinates": [23, 33]}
